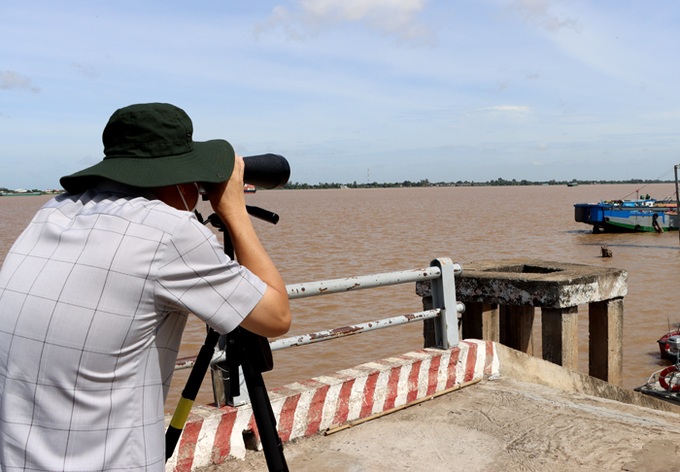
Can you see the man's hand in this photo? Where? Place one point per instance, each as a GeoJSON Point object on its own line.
{"type": "Point", "coordinates": [228, 197]}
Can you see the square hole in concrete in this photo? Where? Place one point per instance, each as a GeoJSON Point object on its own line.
{"type": "Point", "coordinates": [524, 269]}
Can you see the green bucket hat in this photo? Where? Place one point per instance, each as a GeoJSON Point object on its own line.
{"type": "Point", "coordinates": [150, 145]}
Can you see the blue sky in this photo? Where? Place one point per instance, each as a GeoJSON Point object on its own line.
{"type": "Point", "coordinates": [353, 90]}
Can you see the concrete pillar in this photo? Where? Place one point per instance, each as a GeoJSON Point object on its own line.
{"type": "Point", "coordinates": [559, 333]}
{"type": "Point", "coordinates": [481, 321]}
{"type": "Point", "coordinates": [605, 343]}
{"type": "Point", "coordinates": [501, 296]}
{"type": "Point", "coordinates": [516, 324]}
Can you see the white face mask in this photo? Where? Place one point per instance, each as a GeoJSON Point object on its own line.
{"type": "Point", "coordinates": [184, 200]}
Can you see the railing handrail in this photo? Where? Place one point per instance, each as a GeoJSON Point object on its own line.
{"type": "Point", "coordinates": [444, 291]}
{"type": "Point", "coordinates": [324, 287]}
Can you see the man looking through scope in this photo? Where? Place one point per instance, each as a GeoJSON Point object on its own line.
{"type": "Point", "coordinates": [95, 294]}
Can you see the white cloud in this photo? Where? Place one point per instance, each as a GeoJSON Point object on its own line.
{"type": "Point", "coordinates": [10, 80]}
{"type": "Point", "coordinates": [86, 70]}
{"type": "Point", "coordinates": [509, 109]}
{"type": "Point", "coordinates": [542, 13]}
{"type": "Point", "coordinates": [398, 18]}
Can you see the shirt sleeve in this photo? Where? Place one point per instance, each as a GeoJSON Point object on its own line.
{"type": "Point", "coordinates": [195, 275]}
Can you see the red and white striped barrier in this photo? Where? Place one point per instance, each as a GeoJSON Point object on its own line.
{"type": "Point", "coordinates": [214, 435]}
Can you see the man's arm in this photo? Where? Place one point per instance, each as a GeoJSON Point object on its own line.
{"type": "Point", "coordinates": [271, 316]}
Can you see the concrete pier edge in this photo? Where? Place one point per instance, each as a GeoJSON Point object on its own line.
{"type": "Point", "coordinates": [215, 435]}
{"type": "Point", "coordinates": [303, 409]}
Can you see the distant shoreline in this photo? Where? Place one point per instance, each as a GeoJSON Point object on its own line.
{"type": "Point", "coordinates": [27, 194]}
{"type": "Point", "coordinates": [408, 183]}
{"type": "Point", "coordinates": [489, 183]}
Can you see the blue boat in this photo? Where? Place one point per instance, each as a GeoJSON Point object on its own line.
{"type": "Point", "coordinates": [628, 216]}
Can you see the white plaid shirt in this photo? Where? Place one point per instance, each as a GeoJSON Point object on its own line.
{"type": "Point", "coordinates": [94, 296]}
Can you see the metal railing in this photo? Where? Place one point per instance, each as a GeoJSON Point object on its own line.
{"type": "Point", "coordinates": [440, 272]}
{"type": "Point", "coordinates": [446, 309]}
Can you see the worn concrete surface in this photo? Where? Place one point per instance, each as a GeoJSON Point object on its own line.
{"type": "Point", "coordinates": [538, 283]}
{"type": "Point", "coordinates": [496, 425]}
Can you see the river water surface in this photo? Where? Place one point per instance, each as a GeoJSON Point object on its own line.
{"type": "Point", "coordinates": [327, 234]}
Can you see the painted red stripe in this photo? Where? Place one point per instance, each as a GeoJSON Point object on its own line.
{"type": "Point", "coordinates": [187, 445]}
{"type": "Point", "coordinates": [470, 364]}
{"type": "Point", "coordinates": [433, 374]}
{"type": "Point", "coordinates": [451, 368]}
{"type": "Point", "coordinates": [369, 391]}
{"type": "Point", "coordinates": [392, 388]}
{"type": "Point", "coordinates": [315, 414]}
{"type": "Point", "coordinates": [413, 384]}
{"type": "Point", "coordinates": [222, 444]}
{"type": "Point", "coordinates": [342, 408]}
{"type": "Point", "coordinates": [489, 358]}
{"type": "Point", "coordinates": [311, 383]}
{"type": "Point", "coordinates": [287, 417]}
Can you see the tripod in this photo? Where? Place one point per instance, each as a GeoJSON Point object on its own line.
{"type": "Point", "coordinates": [244, 349]}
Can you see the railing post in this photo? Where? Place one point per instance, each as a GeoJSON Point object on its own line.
{"type": "Point", "coordinates": [444, 298]}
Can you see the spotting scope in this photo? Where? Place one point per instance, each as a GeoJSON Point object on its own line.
{"type": "Point", "coordinates": [266, 170]}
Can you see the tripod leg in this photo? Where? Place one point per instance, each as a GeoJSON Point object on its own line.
{"type": "Point", "coordinates": [179, 418]}
{"type": "Point", "coordinates": [265, 420]}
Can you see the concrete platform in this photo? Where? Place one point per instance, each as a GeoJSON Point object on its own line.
{"type": "Point", "coordinates": [523, 413]}
{"type": "Point", "coordinates": [305, 408]}
{"type": "Point", "coordinates": [494, 426]}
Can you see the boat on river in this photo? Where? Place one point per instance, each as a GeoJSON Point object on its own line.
{"type": "Point", "coordinates": [629, 216]}
{"type": "Point", "coordinates": [664, 384]}
{"type": "Point", "coordinates": [668, 344]}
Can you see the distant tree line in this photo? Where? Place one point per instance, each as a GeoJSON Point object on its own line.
{"type": "Point", "coordinates": [7, 190]}
{"type": "Point", "coordinates": [500, 182]}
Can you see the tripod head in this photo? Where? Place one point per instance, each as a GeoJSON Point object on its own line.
{"type": "Point", "coordinates": [217, 222]}
{"type": "Point", "coordinates": [257, 212]}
